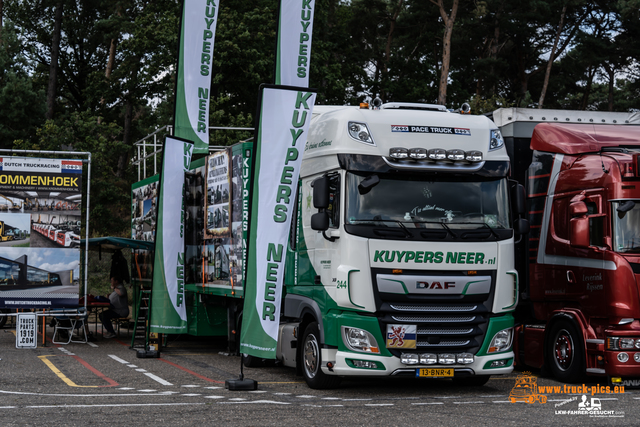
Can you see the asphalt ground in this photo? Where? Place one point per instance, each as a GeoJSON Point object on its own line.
{"type": "Point", "coordinates": [104, 383]}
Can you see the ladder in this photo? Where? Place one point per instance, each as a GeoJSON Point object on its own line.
{"type": "Point", "coordinates": [140, 337]}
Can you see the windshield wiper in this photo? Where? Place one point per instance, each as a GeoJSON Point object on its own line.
{"type": "Point", "coordinates": [402, 226]}
{"type": "Point", "coordinates": [484, 224]}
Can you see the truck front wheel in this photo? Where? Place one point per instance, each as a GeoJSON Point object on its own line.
{"type": "Point", "coordinates": [565, 353]}
{"type": "Point", "coordinates": [312, 360]}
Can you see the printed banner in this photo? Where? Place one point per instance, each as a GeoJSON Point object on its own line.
{"type": "Point", "coordinates": [144, 203]}
{"type": "Point", "coordinates": [168, 306]}
{"type": "Point", "coordinates": [218, 201]}
{"type": "Point", "coordinates": [294, 42]}
{"type": "Point", "coordinates": [285, 114]}
{"type": "Point", "coordinates": [199, 20]}
{"type": "Point", "coordinates": [40, 222]}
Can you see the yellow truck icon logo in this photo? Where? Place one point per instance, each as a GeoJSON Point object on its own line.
{"type": "Point", "coordinates": [526, 390]}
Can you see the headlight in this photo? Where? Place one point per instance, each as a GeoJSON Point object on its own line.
{"type": "Point", "coordinates": [359, 340]}
{"type": "Point", "coordinates": [360, 132]}
{"type": "Point", "coordinates": [496, 140]}
{"type": "Point", "coordinates": [617, 343]}
{"type": "Point", "coordinates": [447, 359]}
{"type": "Point", "coordinates": [501, 341]}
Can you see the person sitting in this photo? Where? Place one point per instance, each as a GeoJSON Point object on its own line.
{"type": "Point", "coordinates": [119, 306]}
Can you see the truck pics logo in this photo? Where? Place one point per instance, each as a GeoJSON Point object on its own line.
{"type": "Point", "coordinates": [431, 129]}
{"type": "Point", "coordinates": [526, 390]}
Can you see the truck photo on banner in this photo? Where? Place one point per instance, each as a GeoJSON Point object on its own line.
{"type": "Point", "coordinates": [285, 115]}
{"type": "Point", "coordinates": [40, 201]}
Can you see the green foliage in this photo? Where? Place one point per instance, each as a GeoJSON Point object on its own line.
{"type": "Point", "coordinates": [483, 106]}
{"type": "Point", "coordinates": [110, 194]}
{"type": "Point", "coordinates": [361, 49]}
{"type": "Point", "coordinates": [21, 103]}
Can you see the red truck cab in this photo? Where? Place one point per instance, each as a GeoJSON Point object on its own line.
{"type": "Point", "coordinates": [579, 311]}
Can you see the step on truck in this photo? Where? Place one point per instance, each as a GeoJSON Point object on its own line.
{"type": "Point", "coordinates": [401, 254]}
{"type": "Point", "coordinates": [579, 310]}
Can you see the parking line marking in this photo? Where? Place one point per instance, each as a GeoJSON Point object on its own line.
{"type": "Point", "coordinates": [202, 377]}
{"type": "Point", "coordinates": [112, 405]}
{"type": "Point", "coordinates": [157, 378]}
{"type": "Point", "coordinates": [117, 359]}
{"type": "Point", "coordinates": [428, 403]}
{"type": "Point", "coordinates": [68, 381]}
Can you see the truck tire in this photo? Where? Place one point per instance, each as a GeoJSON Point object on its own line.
{"type": "Point", "coordinates": [312, 360]}
{"type": "Point", "coordinates": [565, 353]}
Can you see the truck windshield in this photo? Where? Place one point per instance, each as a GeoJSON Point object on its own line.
{"type": "Point", "coordinates": [413, 201]}
{"type": "Point", "coordinates": [626, 226]}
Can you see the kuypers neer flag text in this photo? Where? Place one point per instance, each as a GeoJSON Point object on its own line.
{"type": "Point", "coordinates": [199, 19]}
{"type": "Point", "coordinates": [168, 305]}
{"type": "Point", "coordinates": [40, 223]}
{"type": "Point", "coordinates": [294, 42]}
{"type": "Point", "coordinates": [285, 114]}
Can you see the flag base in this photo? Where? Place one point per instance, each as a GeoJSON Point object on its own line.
{"type": "Point", "coordinates": [148, 354]}
{"type": "Point", "coordinates": [241, 384]}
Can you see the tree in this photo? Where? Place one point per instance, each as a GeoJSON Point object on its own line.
{"type": "Point", "coordinates": [448, 19]}
{"type": "Point", "coordinates": [21, 102]}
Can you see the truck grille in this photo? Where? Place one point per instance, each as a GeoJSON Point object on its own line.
{"type": "Point", "coordinates": [453, 323]}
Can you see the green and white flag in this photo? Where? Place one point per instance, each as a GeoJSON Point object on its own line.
{"type": "Point", "coordinates": [198, 30]}
{"type": "Point", "coordinates": [293, 54]}
{"type": "Point", "coordinates": [168, 305]}
{"type": "Point", "coordinates": [285, 114]}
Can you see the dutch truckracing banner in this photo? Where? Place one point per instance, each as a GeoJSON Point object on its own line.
{"type": "Point", "coordinates": [168, 305]}
{"type": "Point", "coordinates": [294, 42]}
{"type": "Point", "coordinates": [285, 114]}
{"type": "Point", "coordinates": [40, 204]}
{"type": "Point", "coordinates": [198, 30]}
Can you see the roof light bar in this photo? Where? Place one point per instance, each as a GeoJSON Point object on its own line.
{"type": "Point", "coordinates": [435, 154]}
{"type": "Point", "coordinates": [398, 153]}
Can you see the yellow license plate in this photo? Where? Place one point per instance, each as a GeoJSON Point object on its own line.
{"type": "Point", "coordinates": [434, 372]}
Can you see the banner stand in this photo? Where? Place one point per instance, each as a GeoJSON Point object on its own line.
{"type": "Point", "coordinates": [241, 384]}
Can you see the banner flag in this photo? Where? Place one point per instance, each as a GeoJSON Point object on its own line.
{"type": "Point", "coordinates": [293, 53]}
{"type": "Point", "coordinates": [168, 305]}
{"type": "Point", "coordinates": [199, 19]}
{"type": "Point", "coordinates": [285, 114]}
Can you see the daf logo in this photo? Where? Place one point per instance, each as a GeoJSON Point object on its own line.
{"type": "Point", "coordinates": [435, 285]}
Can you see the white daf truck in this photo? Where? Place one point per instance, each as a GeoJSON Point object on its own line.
{"type": "Point", "coordinates": [401, 255]}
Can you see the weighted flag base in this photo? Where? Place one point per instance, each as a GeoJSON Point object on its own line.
{"type": "Point", "coordinates": [241, 384]}
{"type": "Point", "coordinates": [147, 354]}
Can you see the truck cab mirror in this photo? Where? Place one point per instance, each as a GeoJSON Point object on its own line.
{"type": "Point", "coordinates": [368, 183]}
{"type": "Point", "coordinates": [320, 221]}
{"type": "Point", "coordinates": [521, 226]}
{"type": "Point", "coordinates": [519, 199]}
{"type": "Point", "coordinates": [625, 207]}
{"type": "Point", "coordinates": [578, 208]}
{"type": "Point", "coordinates": [321, 193]}
{"type": "Point", "coordinates": [579, 232]}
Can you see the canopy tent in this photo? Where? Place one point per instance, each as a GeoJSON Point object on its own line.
{"type": "Point", "coordinates": [111, 244]}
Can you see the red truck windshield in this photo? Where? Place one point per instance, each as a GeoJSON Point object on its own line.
{"type": "Point", "coordinates": [626, 229]}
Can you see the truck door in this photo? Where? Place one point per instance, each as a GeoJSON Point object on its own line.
{"type": "Point", "coordinates": [574, 277]}
{"type": "Point", "coordinates": [314, 253]}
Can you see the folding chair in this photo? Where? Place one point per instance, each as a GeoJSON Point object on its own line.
{"type": "Point", "coordinates": [69, 324]}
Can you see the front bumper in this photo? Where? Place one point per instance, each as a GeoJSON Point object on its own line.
{"type": "Point", "coordinates": [343, 365]}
